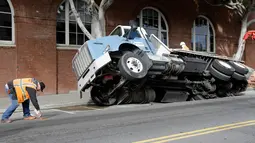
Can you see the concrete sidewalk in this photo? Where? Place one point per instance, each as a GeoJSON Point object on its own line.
{"type": "Point", "coordinates": [51, 101]}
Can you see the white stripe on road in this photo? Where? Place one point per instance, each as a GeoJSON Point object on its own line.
{"type": "Point", "coordinates": [63, 111]}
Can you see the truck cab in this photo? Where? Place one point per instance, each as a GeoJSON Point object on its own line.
{"type": "Point", "coordinates": [140, 32]}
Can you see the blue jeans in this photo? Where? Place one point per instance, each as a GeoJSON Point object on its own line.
{"type": "Point", "coordinates": [14, 105]}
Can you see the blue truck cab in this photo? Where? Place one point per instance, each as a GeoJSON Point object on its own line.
{"type": "Point", "coordinates": [94, 54]}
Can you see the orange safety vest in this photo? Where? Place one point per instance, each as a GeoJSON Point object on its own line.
{"type": "Point", "coordinates": [20, 88]}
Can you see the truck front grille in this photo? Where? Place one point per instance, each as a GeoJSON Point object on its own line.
{"type": "Point", "coordinates": [81, 60]}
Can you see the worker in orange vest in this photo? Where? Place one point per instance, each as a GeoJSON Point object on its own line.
{"type": "Point", "coordinates": [21, 91]}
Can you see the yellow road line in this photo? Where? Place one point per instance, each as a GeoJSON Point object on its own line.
{"type": "Point", "coordinates": [208, 132]}
{"type": "Point", "coordinates": [197, 131]}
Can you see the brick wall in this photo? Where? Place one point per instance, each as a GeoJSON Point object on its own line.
{"type": "Point", "coordinates": [34, 54]}
{"type": "Point", "coordinates": [36, 41]}
{"type": "Point", "coordinates": [7, 66]}
{"type": "Point", "coordinates": [66, 80]}
{"type": "Point", "coordinates": [180, 19]}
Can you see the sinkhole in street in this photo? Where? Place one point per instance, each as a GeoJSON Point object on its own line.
{"type": "Point", "coordinates": [80, 108]}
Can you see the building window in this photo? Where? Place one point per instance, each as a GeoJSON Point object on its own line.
{"type": "Point", "coordinates": [68, 30]}
{"type": "Point", "coordinates": [154, 22]}
{"type": "Point", "coordinates": [6, 22]}
{"type": "Point", "coordinates": [203, 35]}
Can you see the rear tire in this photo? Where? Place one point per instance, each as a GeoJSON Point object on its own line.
{"type": "Point", "coordinates": [240, 71]}
{"type": "Point", "coordinates": [239, 68]}
{"type": "Point", "coordinates": [97, 96]}
{"type": "Point", "coordinates": [150, 94]}
{"type": "Point", "coordinates": [160, 93]}
{"type": "Point", "coordinates": [138, 96]}
{"type": "Point", "coordinates": [238, 76]}
{"type": "Point", "coordinates": [217, 74]}
{"type": "Point", "coordinates": [223, 67]}
{"type": "Point", "coordinates": [221, 70]}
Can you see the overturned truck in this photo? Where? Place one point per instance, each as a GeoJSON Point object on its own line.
{"type": "Point", "coordinates": [130, 66]}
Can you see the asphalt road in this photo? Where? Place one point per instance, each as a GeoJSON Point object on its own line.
{"type": "Point", "coordinates": [229, 120]}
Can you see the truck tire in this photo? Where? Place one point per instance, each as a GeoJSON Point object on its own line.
{"type": "Point", "coordinates": [132, 66]}
{"type": "Point", "coordinates": [160, 93]}
{"type": "Point", "coordinates": [217, 74]}
{"type": "Point", "coordinates": [239, 68]}
{"type": "Point", "coordinates": [150, 94]}
{"type": "Point", "coordinates": [238, 76]}
{"type": "Point", "coordinates": [138, 96]}
{"type": "Point", "coordinates": [223, 67]}
{"type": "Point", "coordinates": [98, 99]}
{"type": "Point", "coordinates": [124, 98]}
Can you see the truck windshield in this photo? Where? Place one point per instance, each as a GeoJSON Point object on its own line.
{"type": "Point", "coordinates": [132, 34]}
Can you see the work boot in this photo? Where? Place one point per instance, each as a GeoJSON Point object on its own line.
{"type": "Point", "coordinates": [6, 121]}
{"type": "Point", "coordinates": [29, 118]}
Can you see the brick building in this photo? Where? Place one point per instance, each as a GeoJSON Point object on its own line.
{"type": "Point", "coordinates": [38, 38]}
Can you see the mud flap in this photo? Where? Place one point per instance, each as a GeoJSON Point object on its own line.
{"type": "Point", "coordinates": [175, 96]}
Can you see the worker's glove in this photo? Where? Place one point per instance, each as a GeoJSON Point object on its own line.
{"type": "Point", "coordinates": [38, 113]}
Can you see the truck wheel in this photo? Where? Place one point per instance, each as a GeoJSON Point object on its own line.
{"type": "Point", "coordinates": [132, 66]}
{"type": "Point", "coordinates": [124, 98]}
{"type": "Point", "coordinates": [223, 67]}
{"type": "Point", "coordinates": [198, 97]}
{"type": "Point", "coordinates": [97, 96]}
{"type": "Point", "coordinates": [223, 89]}
{"type": "Point", "coordinates": [138, 96]}
{"type": "Point", "coordinates": [239, 68]}
{"type": "Point", "coordinates": [150, 94]}
{"type": "Point", "coordinates": [217, 74]}
{"type": "Point", "coordinates": [241, 86]}
{"type": "Point", "coordinates": [160, 93]}
{"type": "Point", "coordinates": [238, 76]}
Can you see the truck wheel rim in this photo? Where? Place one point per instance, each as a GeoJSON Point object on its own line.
{"type": "Point", "coordinates": [134, 65]}
{"type": "Point", "coordinates": [225, 64]}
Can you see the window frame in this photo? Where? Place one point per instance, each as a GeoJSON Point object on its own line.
{"type": "Point", "coordinates": [67, 44]}
{"type": "Point", "coordinates": [160, 15]}
{"type": "Point", "coordinates": [193, 34]}
{"type": "Point", "coordinates": [12, 41]}
{"type": "Point", "coordinates": [114, 31]}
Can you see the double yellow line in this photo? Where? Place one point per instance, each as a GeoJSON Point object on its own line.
{"type": "Point", "coordinates": [198, 132]}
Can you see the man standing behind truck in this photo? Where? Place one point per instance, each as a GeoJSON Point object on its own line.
{"type": "Point", "coordinates": [22, 91]}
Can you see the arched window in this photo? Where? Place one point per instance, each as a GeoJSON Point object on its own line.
{"type": "Point", "coordinates": [154, 22]}
{"type": "Point", "coordinates": [6, 22]}
{"type": "Point", "coordinates": [68, 30]}
{"type": "Point", "coordinates": [203, 35]}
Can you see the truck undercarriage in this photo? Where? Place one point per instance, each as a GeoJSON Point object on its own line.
{"type": "Point", "coordinates": [132, 75]}
{"type": "Point", "coordinates": [188, 77]}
